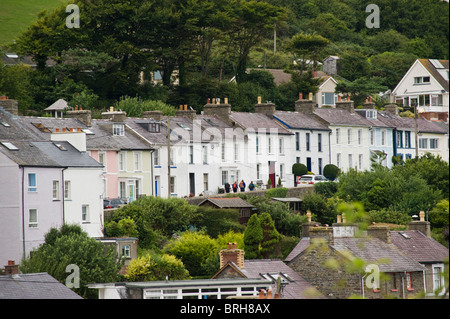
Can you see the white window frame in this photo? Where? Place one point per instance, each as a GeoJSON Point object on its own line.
{"type": "Point", "coordinates": [55, 190]}
{"type": "Point", "coordinates": [33, 223]}
{"type": "Point", "coordinates": [118, 129]}
{"type": "Point", "coordinates": [32, 188]}
{"type": "Point", "coordinates": [137, 161]}
{"type": "Point", "coordinates": [67, 190]}
{"type": "Point", "coordinates": [102, 160]}
{"type": "Point", "coordinates": [122, 161]}
{"type": "Point", "coordinates": [85, 213]}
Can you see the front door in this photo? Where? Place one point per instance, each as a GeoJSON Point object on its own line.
{"type": "Point", "coordinates": [157, 186]}
{"type": "Point", "coordinates": [272, 172]}
{"type": "Point", "coordinates": [192, 183]}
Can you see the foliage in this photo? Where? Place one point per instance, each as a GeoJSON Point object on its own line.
{"type": "Point", "coordinates": [217, 221]}
{"type": "Point", "coordinates": [193, 249]}
{"type": "Point", "coordinates": [271, 237]}
{"type": "Point", "coordinates": [125, 227]}
{"type": "Point", "coordinates": [299, 169]}
{"type": "Point", "coordinates": [327, 189]}
{"type": "Point", "coordinates": [331, 171]}
{"type": "Point", "coordinates": [389, 216]}
{"type": "Point", "coordinates": [279, 192]}
{"type": "Point", "coordinates": [156, 217]}
{"type": "Point", "coordinates": [135, 106]}
{"type": "Point", "coordinates": [253, 236]}
{"type": "Point", "coordinates": [156, 267]}
{"type": "Point", "coordinates": [70, 245]}
{"type": "Point", "coordinates": [396, 189]}
{"type": "Point", "coordinates": [324, 209]}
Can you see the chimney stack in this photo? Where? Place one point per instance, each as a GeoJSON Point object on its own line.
{"type": "Point", "coordinates": [265, 108]}
{"type": "Point", "coordinates": [184, 112]}
{"type": "Point", "coordinates": [421, 225]}
{"type": "Point", "coordinates": [232, 254]}
{"type": "Point", "coordinates": [156, 115]}
{"type": "Point", "coordinates": [320, 232]}
{"type": "Point", "coordinates": [11, 268]}
{"type": "Point", "coordinates": [369, 104]}
{"type": "Point", "coordinates": [380, 232]}
{"type": "Point", "coordinates": [391, 108]}
{"type": "Point", "coordinates": [346, 105]}
{"type": "Point", "coordinates": [114, 116]}
{"type": "Point", "coordinates": [305, 106]}
{"type": "Point", "coordinates": [84, 116]}
{"type": "Point", "coordinates": [222, 111]}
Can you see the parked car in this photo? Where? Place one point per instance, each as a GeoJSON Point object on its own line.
{"type": "Point", "coordinates": [113, 203]}
{"type": "Point", "coordinates": [312, 179]}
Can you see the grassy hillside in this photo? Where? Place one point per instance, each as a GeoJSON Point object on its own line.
{"type": "Point", "coordinates": [17, 15]}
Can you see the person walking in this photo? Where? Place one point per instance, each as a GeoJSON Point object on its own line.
{"type": "Point", "coordinates": [227, 187]}
{"type": "Point", "coordinates": [251, 186]}
{"type": "Point", "coordinates": [242, 185]}
{"type": "Point", "coordinates": [235, 186]}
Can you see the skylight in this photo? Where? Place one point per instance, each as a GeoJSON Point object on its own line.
{"type": "Point", "coordinates": [60, 146]}
{"type": "Point", "coordinates": [10, 146]}
{"type": "Point", "coordinates": [405, 235]}
{"type": "Point", "coordinates": [5, 124]}
{"type": "Point", "coordinates": [183, 126]}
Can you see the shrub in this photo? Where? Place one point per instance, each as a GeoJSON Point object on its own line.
{"type": "Point", "coordinates": [277, 192]}
{"type": "Point", "coordinates": [389, 216]}
{"type": "Point", "coordinates": [299, 169]}
{"type": "Point", "coordinates": [331, 171]}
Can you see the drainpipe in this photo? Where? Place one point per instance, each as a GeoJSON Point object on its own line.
{"type": "Point", "coordinates": [403, 284]}
{"type": "Point", "coordinates": [424, 283]}
{"type": "Point", "coordinates": [329, 147]}
{"type": "Point", "coordinates": [151, 171]}
{"type": "Point", "coordinates": [63, 196]}
{"type": "Point", "coordinates": [362, 286]}
{"type": "Point", "coordinates": [23, 210]}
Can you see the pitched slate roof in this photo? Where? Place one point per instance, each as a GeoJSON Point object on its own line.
{"type": "Point", "coordinates": [48, 154]}
{"type": "Point", "coordinates": [419, 247]}
{"type": "Point", "coordinates": [230, 202]}
{"type": "Point", "coordinates": [59, 105]}
{"type": "Point", "coordinates": [34, 286]}
{"type": "Point", "coordinates": [298, 249]}
{"type": "Point", "coordinates": [337, 116]}
{"type": "Point", "coordinates": [435, 73]}
{"type": "Point", "coordinates": [270, 269]}
{"type": "Point", "coordinates": [423, 125]}
{"type": "Point", "coordinates": [258, 122]}
{"type": "Point", "coordinates": [65, 154]}
{"type": "Point", "coordinates": [372, 250]}
{"type": "Point", "coordinates": [298, 120]}
{"type": "Point", "coordinates": [296, 288]}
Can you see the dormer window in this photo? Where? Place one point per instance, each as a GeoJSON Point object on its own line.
{"type": "Point", "coordinates": [118, 130]}
{"type": "Point", "coordinates": [154, 127]}
{"type": "Point", "coordinates": [371, 114]}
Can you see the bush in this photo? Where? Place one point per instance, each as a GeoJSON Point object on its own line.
{"type": "Point", "coordinates": [389, 216]}
{"type": "Point", "coordinates": [217, 221]}
{"type": "Point", "coordinates": [279, 192]}
{"type": "Point", "coordinates": [299, 169]}
{"type": "Point", "coordinates": [327, 189]}
{"type": "Point", "coordinates": [331, 171]}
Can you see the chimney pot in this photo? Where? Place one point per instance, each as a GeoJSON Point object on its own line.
{"type": "Point", "coordinates": [259, 100]}
{"type": "Point", "coordinates": [226, 100]}
{"type": "Point", "coordinates": [11, 268]}
{"type": "Point", "coordinates": [64, 129]}
{"type": "Point", "coordinates": [422, 216]}
{"type": "Point", "coordinates": [76, 107]}
{"type": "Point", "coordinates": [339, 98]}
{"type": "Point", "coordinates": [71, 129]}
{"type": "Point", "coordinates": [208, 101]}
{"type": "Point", "coordinates": [300, 96]}
{"type": "Point", "coordinates": [57, 130]}
{"type": "Point", "coordinates": [308, 214]}
{"type": "Point", "coordinates": [111, 108]}
{"type": "Point", "coordinates": [339, 219]}
{"type": "Point", "coordinates": [310, 96]}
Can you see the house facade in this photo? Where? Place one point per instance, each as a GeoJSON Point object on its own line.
{"type": "Point", "coordinates": [425, 85]}
{"type": "Point", "coordinates": [342, 265]}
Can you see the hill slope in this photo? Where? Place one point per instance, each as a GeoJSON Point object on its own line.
{"type": "Point", "coordinates": [17, 15]}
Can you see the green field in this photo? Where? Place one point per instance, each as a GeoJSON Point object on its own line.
{"type": "Point", "coordinates": [17, 15]}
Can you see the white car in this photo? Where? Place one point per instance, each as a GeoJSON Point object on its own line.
{"type": "Point", "coordinates": [312, 179]}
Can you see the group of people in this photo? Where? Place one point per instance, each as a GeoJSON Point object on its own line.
{"type": "Point", "coordinates": [241, 186]}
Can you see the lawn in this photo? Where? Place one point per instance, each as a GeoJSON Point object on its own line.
{"type": "Point", "coordinates": [17, 15]}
